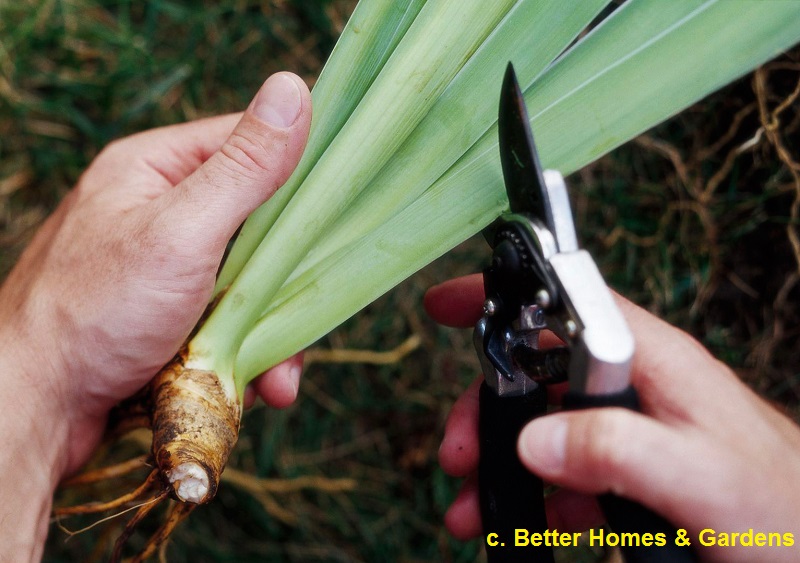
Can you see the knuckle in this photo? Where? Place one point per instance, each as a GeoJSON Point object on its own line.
{"type": "Point", "coordinates": [112, 151]}
{"type": "Point", "coordinates": [105, 169]}
{"type": "Point", "coordinates": [251, 155]}
{"type": "Point", "coordinates": [117, 152]}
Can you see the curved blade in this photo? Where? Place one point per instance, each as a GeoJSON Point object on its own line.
{"type": "Point", "coordinates": [521, 169]}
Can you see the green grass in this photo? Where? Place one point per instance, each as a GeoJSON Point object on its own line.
{"type": "Point", "coordinates": [74, 76]}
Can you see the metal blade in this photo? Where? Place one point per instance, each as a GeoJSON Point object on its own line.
{"type": "Point", "coordinates": [522, 171]}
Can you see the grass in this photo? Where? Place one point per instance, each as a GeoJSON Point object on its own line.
{"type": "Point", "coordinates": [692, 220]}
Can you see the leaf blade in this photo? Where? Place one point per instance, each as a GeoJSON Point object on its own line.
{"type": "Point", "coordinates": [444, 215]}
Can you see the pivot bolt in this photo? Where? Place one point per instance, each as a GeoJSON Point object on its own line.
{"type": "Point", "coordinates": [543, 298]}
{"type": "Point", "coordinates": [572, 328]}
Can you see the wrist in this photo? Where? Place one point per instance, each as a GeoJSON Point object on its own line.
{"type": "Point", "coordinates": [33, 437]}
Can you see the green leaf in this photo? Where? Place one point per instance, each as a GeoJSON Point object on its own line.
{"type": "Point", "coordinates": [368, 40]}
{"type": "Point", "coordinates": [650, 59]}
{"type": "Point", "coordinates": [438, 44]}
{"type": "Point", "coordinates": [531, 35]}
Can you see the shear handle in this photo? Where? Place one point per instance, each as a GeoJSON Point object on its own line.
{"type": "Point", "coordinates": [511, 497]}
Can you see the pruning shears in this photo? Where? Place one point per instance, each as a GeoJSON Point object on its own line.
{"type": "Point", "coordinates": [539, 279]}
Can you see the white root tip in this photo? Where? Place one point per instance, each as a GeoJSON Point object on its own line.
{"type": "Point", "coordinates": [190, 482]}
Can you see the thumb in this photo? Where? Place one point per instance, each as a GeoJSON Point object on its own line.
{"type": "Point", "coordinates": [256, 159]}
{"type": "Point", "coordinates": [614, 450]}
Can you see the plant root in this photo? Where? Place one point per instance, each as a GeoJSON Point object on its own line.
{"type": "Point", "coordinates": [346, 356]}
{"type": "Point", "coordinates": [195, 425]}
{"type": "Point", "coordinates": [131, 414]}
{"type": "Point", "coordinates": [105, 473]}
{"type": "Point", "coordinates": [143, 511]}
{"type": "Point", "coordinates": [95, 507]}
{"type": "Point", "coordinates": [263, 490]}
{"type": "Point", "coordinates": [179, 512]}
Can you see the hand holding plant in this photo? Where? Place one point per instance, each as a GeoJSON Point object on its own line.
{"type": "Point", "coordinates": [116, 279]}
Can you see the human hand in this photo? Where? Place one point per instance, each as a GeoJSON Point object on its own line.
{"type": "Point", "coordinates": [115, 280]}
{"type": "Point", "coordinates": [709, 454]}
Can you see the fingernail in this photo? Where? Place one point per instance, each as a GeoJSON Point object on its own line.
{"type": "Point", "coordinates": [441, 446]}
{"type": "Point", "coordinates": [249, 396]}
{"type": "Point", "coordinates": [294, 378]}
{"type": "Point", "coordinates": [279, 101]}
{"type": "Point", "coordinates": [543, 445]}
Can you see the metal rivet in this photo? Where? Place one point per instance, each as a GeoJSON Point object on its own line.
{"type": "Point", "coordinates": [543, 298]}
{"type": "Point", "coordinates": [572, 328]}
{"type": "Point", "coordinates": [489, 307]}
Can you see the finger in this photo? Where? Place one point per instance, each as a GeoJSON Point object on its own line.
{"type": "Point", "coordinates": [249, 398]}
{"type": "Point", "coordinates": [176, 151]}
{"type": "Point", "coordinates": [457, 302]}
{"type": "Point", "coordinates": [256, 159]}
{"type": "Point", "coordinates": [279, 386]}
{"type": "Point", "coordinates": [459, 451]}
{"type": "Point", "coordinates": [157, 160]}
{"type": "Point", "coordinates": [567, 511]}
{"type": "Point", "coordinates": [458, 454]}
{"type": "Point", "coordinates": [463, 518]}
{"type": "Point", "coordinates": [570, 511]}
{"type": "Point", "coordinates": [672, 372]}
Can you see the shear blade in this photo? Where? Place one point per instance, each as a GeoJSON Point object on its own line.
{"type": "Point", "coordinates": [530, 191]}
{"type": "Point", "coordinates": [521, 168]}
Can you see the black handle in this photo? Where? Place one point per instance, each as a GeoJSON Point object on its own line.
{"type": "Point", "coordinates": [626, 516]}
{"type": "Point", "coordinates": [511, 498]}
